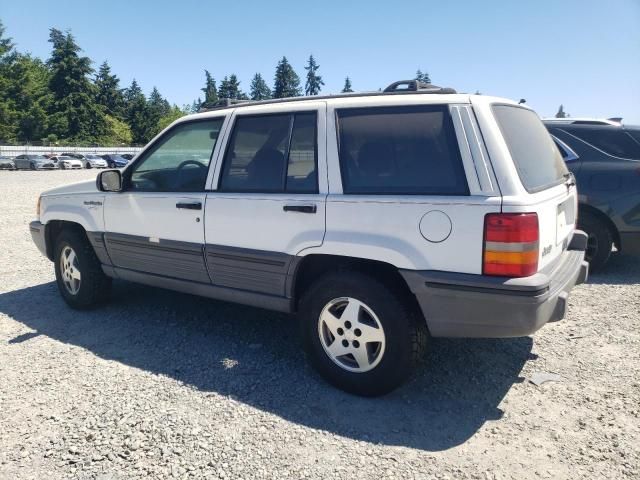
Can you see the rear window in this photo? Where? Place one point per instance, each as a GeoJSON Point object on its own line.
{"type": "Point", "coordinates": [536, 157]}
{"type": "Point", "coordinates": [611, 140]}
{"type": "Point", "coordinates": [400, 150]}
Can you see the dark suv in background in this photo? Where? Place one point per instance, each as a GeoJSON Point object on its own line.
{"type": "Point", "coordinates": [604, 156]}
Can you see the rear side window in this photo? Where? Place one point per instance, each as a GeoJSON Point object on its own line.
{"type": "Point", "coordinates": [400, 150]}
{"type": "Point", "coordinates": [535, 155]}
{"type": "Point", "coordinates": [272, 153]}
{"type": "Point", "coordinates": [611, 140]}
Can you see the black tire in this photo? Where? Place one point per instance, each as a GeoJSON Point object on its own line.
{"type": "Point", "coordinates": [95, 286]}
{"type": "Point", "coordinates": [32, 166]}
{"type": "Point", "coordinates": [404, 330]}
{"type": "Point", "coordinates": [600, 240]}
{"type": "Point", "coordinates": [88, 166]}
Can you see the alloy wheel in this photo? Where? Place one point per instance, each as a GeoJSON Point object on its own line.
{"type": "Point", "coordinates": [351, 334]}
{"type": "Point", "coordinates": [70, 271]}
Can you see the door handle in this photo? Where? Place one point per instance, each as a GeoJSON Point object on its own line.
{"type": "Point", "coordinates": [300, 208]}
{"type": "Point", "coordinates": [189, 205]}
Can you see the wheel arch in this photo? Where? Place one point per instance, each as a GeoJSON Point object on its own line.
{"type": "Point", "coordinates": [53, 229]}
{"type": "Point", "coordinates": [604, 218]}
{"type": "Point", "coordinates": [312, 266]}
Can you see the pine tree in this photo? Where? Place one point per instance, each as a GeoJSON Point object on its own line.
{"type": "Point", "coordinates": [136, 112]}
{"type": "Point", "coordinates": [561, 113]}
{"type": "Point", "coordinates": [210, 90]}
{"type": "Point", "coordinates": [286, 82]}
{"type": "Point", "coordinates": [314, 81]}
{"type": "Point", "coordinates": [347, 86]}
{"type": "Point", "coordinates": [230, 88]}
{"type": "Point", "coordinates": [157, 108]}
{"type": "Point", "coordinates": [75, 115]}
{"type": "Point", "coordinates": [259, 89]}
{"type": "Point", "coordinates": [109, 93]}
{"type": "Point", "coordinates": [195, 105]}
{"type": "Point", "coordinates": [422, 77]}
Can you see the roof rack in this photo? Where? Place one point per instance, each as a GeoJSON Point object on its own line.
{"type": "Point", "coordinates": [584, 121]}
{"type": "Point", "coordinates": [416, 86]}
{"type": "Point", "coordinates": [411, 87]}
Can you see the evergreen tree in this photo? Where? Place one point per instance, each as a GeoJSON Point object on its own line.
{"type": "Point", "coordinates": [561, 113]}
{"type": "Point", "coordinates": [286, 82]}
{"type": "Point", "coordinates": [109, 93]}
{"type": "Point", "coordinates": [347, 86]}
{"type": "Point", "coordinates": [195, 106]}
{"type": "Point", "coordinates": [75, 115]}
{"type": "Point", "coordinates": [422, 77]}
{"type": "Point", "coordinates": [7, 112]}
{"type": "Point", "coordinates": [230, 88]}
{"type": "Point", "coordinates": [314, 81]}
{"type": "Point", "coordinates": [157, 108]}
{"type": "Point", "coordinates": [210, 90]}
{"type": "Point", "coordinates": [259, 88]}
{"type": "Point", "coordinates": [136, 112]}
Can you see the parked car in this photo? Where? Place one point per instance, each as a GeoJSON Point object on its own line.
{"type": "Point", "coordinates": [7, 163]}
{"type": "Point", "coordinates": [604, 156]}
{"type": "Point", "coordinates": [65, 162]}
{"type": "Point", "coordinates": [34, 162]}
{"type": "Point", "coordinates": [115, 161]}
{"type": "Point", "coordinates": [378, 218]}
{"type": "Point", "coordinates": [89, 160]}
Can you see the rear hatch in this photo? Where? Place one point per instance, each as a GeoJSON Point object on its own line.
{"type": "Point", "coordinates": [550, 190]}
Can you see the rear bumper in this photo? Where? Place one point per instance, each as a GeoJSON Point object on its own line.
{"type": "Point", "coordinates": [478, 306]}
{"type": "Point", "coordinates": [37, 230]}
{"type": "Point", "coordinates": [630, 242]}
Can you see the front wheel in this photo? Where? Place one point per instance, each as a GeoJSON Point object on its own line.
{"type": "Point", "coordinates": [361, 335]}
{"type": "Point", "coordinates": [79, 275]}
{"type": "Point", "coordinates": [32, 166]}
{"type": "Point", "coordinates": [87, 166]}
{"type": "Point", "coordinates": [600, 241]}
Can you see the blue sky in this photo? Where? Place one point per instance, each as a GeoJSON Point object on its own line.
{"type": "Point", "coordinates": [584, 54]}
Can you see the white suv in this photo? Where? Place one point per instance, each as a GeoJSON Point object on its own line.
{"type": "Point", "coordinates": [379, 218]}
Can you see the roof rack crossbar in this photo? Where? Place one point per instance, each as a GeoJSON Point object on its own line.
{"type": "Point", "coordinates": [393, 89]}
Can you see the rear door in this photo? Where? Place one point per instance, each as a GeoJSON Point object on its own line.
{"type": "Point", "coordinates": [547, 187]}
{"type": "Point", "coordinates": [268, 198]}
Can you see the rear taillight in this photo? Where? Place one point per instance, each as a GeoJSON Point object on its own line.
{"type": "Point", "coordinates": [510, 244]}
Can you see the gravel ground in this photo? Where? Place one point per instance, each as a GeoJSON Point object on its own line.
{"type": "Point", "coordinates": [159, 384]}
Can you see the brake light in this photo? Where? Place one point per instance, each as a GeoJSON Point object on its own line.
{"type": "Point", "coordinates": [510, 244]}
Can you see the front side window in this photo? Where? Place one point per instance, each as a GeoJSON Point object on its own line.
{"type": "Point", "coordinates": [272, 154]}
{"type": "Point", "coordinates": [179, 161]}
{"type": "Point", "coordinates": [400, 150]}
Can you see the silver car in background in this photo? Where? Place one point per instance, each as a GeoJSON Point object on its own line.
{"type": "Point", "coordinates": [34, 162]}
{"type": "Point", "coordinates": [89, 160]}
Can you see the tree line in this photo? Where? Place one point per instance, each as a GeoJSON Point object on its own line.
{"type": "Point", "coordinates": [63, 100]}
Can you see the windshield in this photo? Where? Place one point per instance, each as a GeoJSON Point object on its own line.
{"type": "Point", "coordinates": [536, 157]}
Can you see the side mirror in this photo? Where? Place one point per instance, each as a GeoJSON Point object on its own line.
{"type": "Point", "coordinates": [109, 181]}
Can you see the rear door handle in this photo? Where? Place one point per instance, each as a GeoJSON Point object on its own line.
{"type": "Point", "coordinates": [300, 208]}
{"type": "Point", "coordinates": [189, 205]}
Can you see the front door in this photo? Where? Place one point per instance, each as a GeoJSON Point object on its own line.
{"type": "Point", "coordinates": [156, 224]}
{"type": "Point", "coordinates": [269, 203]}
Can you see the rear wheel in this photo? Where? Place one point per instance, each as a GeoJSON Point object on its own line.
{"type": "Point", "coordinates": [361, 336]}
{"type": "Point", "coordinates": [88, 165]}
{"type": "Point", "coordinates": [32, 166]}
{"type": "Point", "coordinates": [600, 240]}
{"type": "Point", "coordinates": [79, 275]}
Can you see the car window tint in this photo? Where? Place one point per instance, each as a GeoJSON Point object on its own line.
{"type": "Point", "coordinates": [611, 140]}
{"type": "Point", "coordinates": [271, 153]}
{"type": "Point", "coordinates": [536, 157]}
{"type": "Point", "coordinates": [302, 174]}
{"type": "Point", "coordinates": [179, 161]}
{"type": "Point", "coordinates": [401, 150]}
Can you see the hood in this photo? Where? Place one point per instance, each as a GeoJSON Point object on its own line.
{"type": "Point", "coordinates": [80, 187]}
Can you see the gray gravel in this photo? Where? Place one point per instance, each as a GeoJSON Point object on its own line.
{"type": "Point", "coordinates": [163, 385]}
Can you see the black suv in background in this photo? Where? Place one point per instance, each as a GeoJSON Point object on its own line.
{"type": "Point", "coordinates": [604, 156]}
